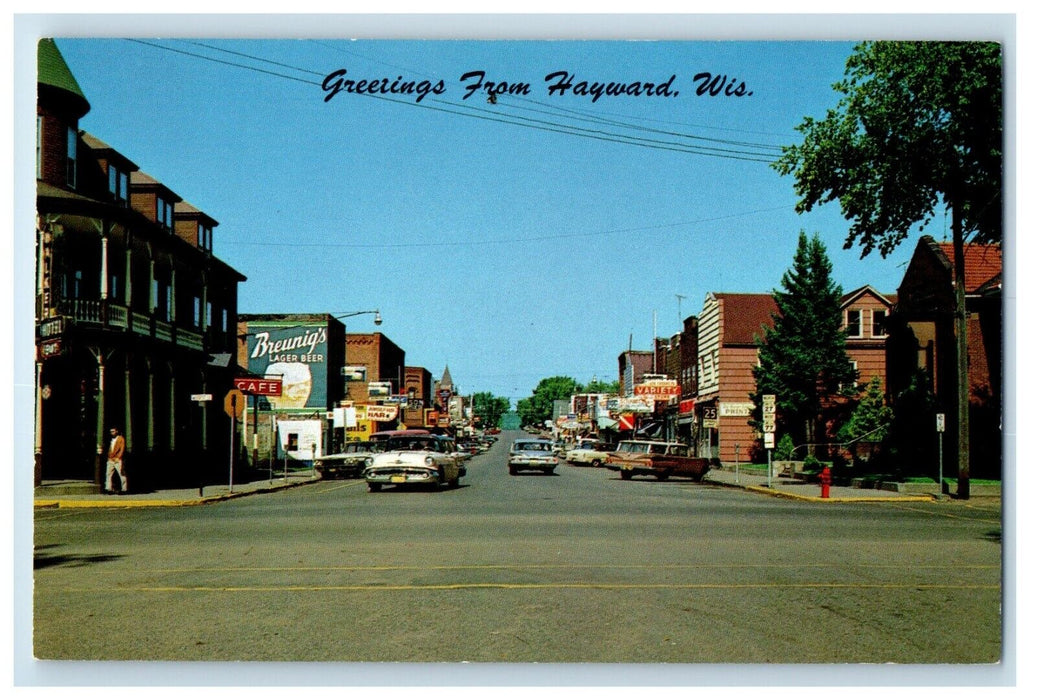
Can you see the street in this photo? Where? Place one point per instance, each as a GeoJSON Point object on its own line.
{"type": "Point", "coordinates": [576, 567]}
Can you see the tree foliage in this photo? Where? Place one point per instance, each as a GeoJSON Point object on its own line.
{"type": "Point", "coordinates": [871, 419]}
{"type": "Point", "coordinates": [489, 408]}
{"type": "Point", "coordinates": [596, 386]}
{"type": "Point", "coordinates": [918, 128]}
{"type": "Point", "coordinates": [802, 357]}
{"type": "Point", "coordinates": [540, 406]}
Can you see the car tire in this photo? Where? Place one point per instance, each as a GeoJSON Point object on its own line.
{"type": "Point", "coordinates": [596, 463]}
{"type": "Point", "coordinates": [626, 474]}
{"type": "Point", "coordinates": [662, 476]}
{"type": "Point", "coordinates": [374, 488]}
{"type": "Point", "coordinates": [512, 470]}
{"type": "Point", "coordinates": [549, 472]}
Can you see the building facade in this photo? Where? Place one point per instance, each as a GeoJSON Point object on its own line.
{"type": "Point", "coordinates": [729, 328]}
{"type": "Point", "coordinates": [132, 307]}
{"type": "Point", "coordinates": [866, 315]}
{"type": "Point", "coordinates": [922, 338]}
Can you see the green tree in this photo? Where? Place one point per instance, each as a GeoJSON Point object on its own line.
{"type": "Point", "coordinates": [489, 408]}
{"type": "Point", "coordinates": [802, 357]}
{"type": "Point", "coordinates": [871, 419]}
{"type": "Point", "coordinates": [599, 387]}
{"type": "Point", "coordinates": [918, 129]}
{"type": "Point", "coordinates": [540, 406]}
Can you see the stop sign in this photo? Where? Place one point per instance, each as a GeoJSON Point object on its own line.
{"type": "Point", "coordinates": [234, 403]}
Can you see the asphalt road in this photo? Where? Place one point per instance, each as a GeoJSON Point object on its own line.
{"type": "Point", "coordinates": [576, 567]}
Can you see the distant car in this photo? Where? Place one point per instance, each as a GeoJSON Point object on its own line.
{"type": "Point", "coordinates": [350, 462]}
{"type": "Point", "coordinates": [593, 453]}
{"type": "Point", "coordinates": [532, 455]}
{"type": "Point", "coordinates": [654, 458]}
{"type": "Point", "coordinates": [408, 460]}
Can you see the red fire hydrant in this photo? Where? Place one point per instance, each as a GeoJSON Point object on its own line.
{"type": "Point", "coordinates": [826, 482]}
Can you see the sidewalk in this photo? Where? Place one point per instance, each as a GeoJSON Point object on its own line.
{"type": "Point", "coordinates": [81, 494]}
{"type": "Point", "coordinates": [785, 487]}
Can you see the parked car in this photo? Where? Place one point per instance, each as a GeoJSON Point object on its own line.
{"type": "Point", "coordinates": [350, 462]}
{"type": "Point", "coordinates": [428, 460]}
{"type": "Point", "coordinates": [593, 453]}
{"type": "Point", "coordinates": [659, 459]}
{"type": "Point", "coordinates": [533, 454]}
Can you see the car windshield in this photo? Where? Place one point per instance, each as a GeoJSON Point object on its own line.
{"type": "Point", "coordinates": [532, 446]}
{"type": "Point", "coordinates": [412, 444]}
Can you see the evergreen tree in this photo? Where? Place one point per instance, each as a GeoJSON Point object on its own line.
{"type": "Point", "coordinates": [918, 129]}
{"type": "Point", "coordinates": [802, 358]}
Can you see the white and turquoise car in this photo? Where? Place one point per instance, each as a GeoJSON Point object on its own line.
{"type": "Point", "coordinates": [415, 460]}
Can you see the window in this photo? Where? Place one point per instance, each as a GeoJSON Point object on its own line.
{"type": "Point", "coordinates": [70, 161]}
{"type": "Point", "coordinates": [197, 312]}
{"type": "Point", "coordinates": [164, 213]}
{"type": "Point", "coordinates": [853, 323]}
{"type": "Point", "coordinates": [204, 237]}
{"type": "Point", "coordinates": [39, 147]}
{"type": "Point", "coordinates": [118, 185]}
{"type": "Point", "coordinates": [223, 321]}
{"type": "Point", "coordinates": [878, 323]}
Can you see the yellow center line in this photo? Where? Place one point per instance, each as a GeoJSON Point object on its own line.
{"type": "Point", "coordinates": [346, 485]}
{"type": "Point", "coordinates": [542, 567]}
{"type": "Point", "coordinates": [556, 586]}
{"type": "Point", "coordinates": [945, 515]}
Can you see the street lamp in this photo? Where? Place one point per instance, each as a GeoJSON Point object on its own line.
{"type": "Point", "coordinates": [377, 315]}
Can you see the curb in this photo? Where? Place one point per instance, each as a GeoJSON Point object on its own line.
{"type": "Point", "coordinates": [763, 490]}
{"type": "Point", "coordinates": [852, 499]}
{"type": "Point", "coordinates": [159, 503]}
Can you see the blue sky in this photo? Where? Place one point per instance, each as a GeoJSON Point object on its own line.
{"type": "Point", "coordinates": [489, 241]}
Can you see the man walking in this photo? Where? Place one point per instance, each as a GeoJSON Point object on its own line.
{"type": "Point", "coordinates": [116, 451]}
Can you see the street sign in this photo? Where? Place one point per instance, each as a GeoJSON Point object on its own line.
{"type": "Point", "coordinates": [769, 418]}
{"type": "Point", "coordinates": [201, 397]}
{"type": "Point", "coordinates": [941, 422]}
{"type": "Point", "coordinates": [234, 403]}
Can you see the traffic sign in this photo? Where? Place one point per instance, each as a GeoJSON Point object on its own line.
{"type": "Point", "coordinates": [234, 403]}
{"type": "Point", "coordinates": [201, 397]}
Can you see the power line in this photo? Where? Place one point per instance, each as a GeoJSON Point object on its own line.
{"type": "Point", "coordinates": [485, 115]}
{"type": "Point", "coordinates": [499, 241]}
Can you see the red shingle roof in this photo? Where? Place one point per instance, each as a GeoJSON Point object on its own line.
{"type": "Point", "coordinates": [745, 315]}
{"type": "Point", "coordinates": [982, 263]}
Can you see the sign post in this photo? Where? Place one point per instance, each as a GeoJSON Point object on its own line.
{"type": "Point", "coordinates": [769, 413]}
{"type": "Point", "coordinates": [233, 406]}
{"type": "Point", "coordinates": [201, 399]}
{"type": "Point", "coordinates": [941, 424]}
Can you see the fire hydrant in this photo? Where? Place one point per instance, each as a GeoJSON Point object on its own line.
{"type": "Point", "coordinates": [826, 482]}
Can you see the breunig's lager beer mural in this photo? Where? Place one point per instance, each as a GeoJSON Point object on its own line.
{"type": "Point", "coordinates": [298, 355]}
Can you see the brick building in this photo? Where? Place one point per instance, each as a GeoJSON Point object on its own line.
{"type": "Point", "coordinates": [922, 337]}
{"type": "Point", "coordinates": [417, 384]}
{"type": "Point", "coordinates": [131, 307]}
{"type": "Point", "coordinates": [865, 320]}
{"type": "Point", "coordinates": [728, 329]}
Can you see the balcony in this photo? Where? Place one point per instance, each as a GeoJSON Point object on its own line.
{"type": "Point", "coordinates": [94, 313]}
